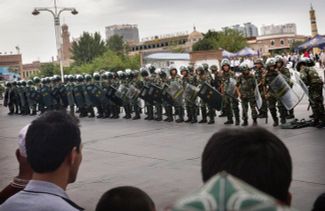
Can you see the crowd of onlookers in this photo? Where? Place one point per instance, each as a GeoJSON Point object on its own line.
{"type": "Point", "coordinates": [50, 153]}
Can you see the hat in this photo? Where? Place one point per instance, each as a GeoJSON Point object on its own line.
{"type": "Point", "coordinates": [225, 192]}
{"type": "Point", "coordinates": [22, 142]}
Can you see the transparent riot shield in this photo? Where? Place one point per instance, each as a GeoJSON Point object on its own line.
{"type": "Point", "coordinates": [133, 93]}
{"type": "Point", "coordinates": [190, 93]}
{"type": "Point", "coordinates": [122, 93]}
{"type": "Point", "coordinates": [175, 90]}
{"type": "Point", "coordinates": [284, 93]}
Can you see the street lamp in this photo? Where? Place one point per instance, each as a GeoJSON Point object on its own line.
{"type": "Point", "coordinates": [56, 12]}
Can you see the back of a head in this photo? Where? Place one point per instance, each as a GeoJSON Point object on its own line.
{"type": "Point", "coordinates": [254, 155]}
{"type": "Point", "coordinates": [49, 139]}
{"type": "Point", "coordinates": [125, 198]}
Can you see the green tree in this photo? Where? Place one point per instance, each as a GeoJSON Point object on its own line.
{"type": "Point", "coordinates": [229, 39]}
{"type": "Point", "coordinates": [87, 47]}
{"type": "Point", "coordinates": [49, 69]}
{"type": "Point", "coordinates": [116, 44]}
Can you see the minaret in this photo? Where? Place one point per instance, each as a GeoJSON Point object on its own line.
{"type": "Point", "coordinates": [314, 30]}
{"type": "Point", "coordinates": [66, 45]}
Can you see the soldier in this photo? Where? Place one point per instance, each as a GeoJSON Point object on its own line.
{"type": "Point", "coordinates": [246, 85]}
{"type": "Point", "coordinates": [230, 99]}
{"type": "Point", "coordinates": [115, 107]}
{"type": "Point", "coordinates": [37, 94]}
{"type": "Point", "coordinates": [153, 79]}
{"type": "Point", "coordinates": [203, 76]}
{"type": "Point", "coordinates": [23, 99]}
{"type": "Point", "coordinates": [146, 83]}
{"type": "Point", "coordinates": [281, 68]}
{"type": "Point", "coordinates": [9, 98]}
{"type": "Point", "coordinates": [31, 97]}
{"type": "Point", "coordinates": [55, 92]}
{"type": "Point", "coordinates": [62, 92]}
{"type": "Point", "coordinates": [315, 84]}
{"type": "Point", "coordinates": [167, 105]}
{"type": "Point", "coordinates": [259, 76]}
{"type": "Point", "coordinates": [99, 95]}
{"type": "Point", "coordinates": [124, 81]}
{"type": "Point", "coordinates": [137, 84]}
{"type": "Point", "coordinates": [47, 98]}
{"type": "Point", "coordinates": [79, 97]}
{"type": "Point", "coordinates": [91, 93]}
{"type": "Point", "coordinates": [271, 97]}
{"type": "Point", "coordinates": [105, 85]}
{"type": "Point", "coordinates": [69, 90]}
{"type": "Point", "coordinates": [175, 78]}
{"type": "Point", "coordinates": [190, 105]}
{"type": "Point", "coordinates": [15, 98]}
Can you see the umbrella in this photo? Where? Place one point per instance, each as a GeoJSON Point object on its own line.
{"type": "Point", "coordinates": [316, 42]}
{"type": "Point", "coordinates": [224, 192]}
{"type": "Point", "coordinates": [227, 54]}
{"type": "Point", "coordinates": [246, 52]}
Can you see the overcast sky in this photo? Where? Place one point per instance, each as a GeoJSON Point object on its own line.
{"type": "Point", "coordinates": [35, 34]}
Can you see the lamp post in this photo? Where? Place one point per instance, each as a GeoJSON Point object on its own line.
{"type": "Point", "coordinates": [56, 12]}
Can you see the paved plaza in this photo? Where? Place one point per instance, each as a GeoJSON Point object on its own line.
{"type": "Point", "coordinates": [161, 158]}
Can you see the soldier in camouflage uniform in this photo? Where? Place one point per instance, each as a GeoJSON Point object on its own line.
{"type": "Point", "coordinates": [47, 98]}
{"type": "Point", "coordinates": [79, 98]}
{"type": "Point", "coordinates": [204, 77]}
{"type": "Point", "coordinates": [281, 68]}
{"type": "Point", "coordinates": [105, 86]}
{"type": "Point", "coordinates": [54, 86]}
{"type": "Point", "coordinates": [23, 99]}
{"type": "Point", "coordinates": [15, 98]}
{"type": "Point", "coordinates": [230, 99]}
{"type": "Point", "coordinates": [190, 105]}
{"type": "Point", "coordinates": [175, 78]}
{"type": "Point", "coordinates": [315, 84]}
{"type": "Point", "coordinates": [69, 90]}
{"type": "Point", "coordinates": [246, 85]}
{"type": "Point", "coordinates": [259, 76]}
{"type": "Point", "coordinates": [137, 84]}
{"type": "Point", "coordinates": [99, 99]}
{"type": "Point", "coordinates": [115, 108]}
{"type": "Point", "coordinates": [92, 95]}
{"type": "Point", "coordinates": [9, 98]}
{"type": "Point", "coordinates": [272, 99]}
{"type": "Point", "coordinates": [125, 80]}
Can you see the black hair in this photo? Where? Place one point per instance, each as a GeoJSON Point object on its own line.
{"type": "Point", "coordinates": [49, 139]}
{"type": "Point", "coordinates": [253, 155]}
{"type": "Point", "coordinates": [125, 198]}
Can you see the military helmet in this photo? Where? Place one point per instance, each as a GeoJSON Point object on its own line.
{"type": "Point", "coordinates": [8, 84]}
{"type": "Point", "coordinates": [19, 83]}
{"type": "Point", "coordinates": [199, 70]}
{"type": "Point", "coordinates": [152, 69]}
{"type": "Point", "coordinates": [109, 75]}
{"type": "Point", "coordinates": [225, 62]}
{"type": "Point", "coordinates": [279, 59]}
{"type": "Point", "coordinates": [144, 72]}
{"type": "Point", "coordinates": [96, 76]}
{"type": "Point", "coordinates": [183, 69]}
{"type": "Point", "coordinates": [243, 67]}
{"type": "Point", "coordinates": [14, 83]}
{"type": "Point", "coordinates": [259, 61]}
{"type": "Point", "coordinates": [213, 68]}
{"type": "Point", "coordinates": [136, 73]}
{"type": "Point", "coordinates": [23, 83]}
{"type": "Point", "coordinates": [29, 82]}
{"type": "Point", "coordinates": [270, 62]}
{"type": "Point", "coordinates": [162, 73]}
{"type": "Point", "coordinates": [205, 66]}
{"type": "Point", "coordinates": [88, 77]}
{"type": "Point", "coordinates": [80, 78]}
{"type": "Point", "coordinates": [43, 81]}
{"type": "Point", "coordinates": [302, 61]}
{"type": "Point", "coordinates": [121, 75]}
{"type": "Point", "coordinates": [36, 80]}
{"type": "Point", "coordinates": [310, 62]}
{"type": "Point", "coordinates": [66, 78]}
{"type": "Point", "coordinates": [131, 75]}
{"type": "Point", "coordinates": [104, 75]}
{"type": "Point", "coordinates": [71, 78]}
{"type": "Point", "coordinates": [190, 68]}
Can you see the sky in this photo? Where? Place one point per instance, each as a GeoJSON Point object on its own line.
{"type": "Point", "coordinates": [36, 39]}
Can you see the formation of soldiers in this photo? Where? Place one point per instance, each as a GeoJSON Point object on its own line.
{"type": "Point", "coordinates": [187, 93]}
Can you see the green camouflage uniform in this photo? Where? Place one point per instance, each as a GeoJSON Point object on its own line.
{"type": "Point", "coordinates": [259, 76]}
{"type": "Point", "coordinates": [315, 87]}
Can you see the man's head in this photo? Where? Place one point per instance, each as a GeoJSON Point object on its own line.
{"type": "Point", "coordinates": [53, 142]}
{"type": "Point", "coordinates": [254, 155]}
{"type": "Point", "coordinates": [125, 198]}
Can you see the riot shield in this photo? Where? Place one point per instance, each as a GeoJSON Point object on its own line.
{"type": "Point", "coordinates": [298, 80]}
{"type": "Point", "coordinates": [111, 94]}
{"type": "Point", "coordinates": [121, 93]}
{"type": "Point", "coordinates": [133, 93]}
{"type": "Point", "coordinates": [190, 93]}
{"type": "Point", "coordinates": [155, 93]}
{"type": "Point", "coordinates": [165, 95]}
{"type": "Point", "coordinates": [144, 94]}
{"type": "Point", "coordinates": [284, 93]}
{"type": "Point", "coordinates": [175, 90]}
{"type": "Point", "coordinates": [258, 97]}
{"type": "Point", "coordinates": [211, 96]}
{"type": "Point", "coordinates": [231, 87]}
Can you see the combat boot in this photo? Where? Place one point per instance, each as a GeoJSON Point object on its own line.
{"type": "Point", "coordinates": [254, 122]}
{"type": "Point", "coordinates": [283, 120]}
{"type": "Point", "coordinates": [211, 118]}
{"type": "Point", "coordinates": [169, 113]}
{"type": "Point", "coordinates": [204, 115]}
{"type": "Point", "coordinates": [245, 123]}
{"type": "Point", "coordinates": [229, 121]}
{"type": "Point", "coordinates": [237, 122]}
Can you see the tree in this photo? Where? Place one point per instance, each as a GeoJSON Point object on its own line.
{"type": "Point", "coordinates": [87, 47]}
{"type": "Point", "coordinates": [229, 39]}
{"type": "Point", "coordinates": [48, 70]}
{"type": "Point", "coordinates": [116, 43]}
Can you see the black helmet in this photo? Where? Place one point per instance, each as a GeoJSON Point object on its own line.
{"type": "Point", "coordinates": [36, 80]}
{"type": "Point", "coordinates": [104, 75]}
{"type": "Point", "coordinates": [162, 74]}
{"type": "Point", "coordinates": [71, 78]}
{"type": "Point", "coordinates": [131, 75]}
{"type": "Point", "coordinates": [14, 83]}
{"type": "Point", "coordinates": [18, 83]}
{"type": "Point", "coordinates": [43, 81]}
{"type": "Point", "coordinates": [303, 61]}
{"type": "Point", "coordinates": [205, 66]}
{"type": "Point", "coordinates": [23, 83]}
{"type": "Point", "coordinates": [144, 72]}
{"type": "Point", "coordinates": [110, 75]}
{"type": "Point", "coordinates": [136, 73]}
{"type": "Point", "coordinates": [80, 78]}
{"type": "Point", "coordinates": [88, 77]}
{"type": "Point", "coordinates": [66, 78]}
{"type": "Point", "coordinates": [30, 82]}
{"type": "Point", "coordinates": [8, 84]}
{"type": "Point", "coordinates": [152, 69]}
{"type": "Point", "coordinates": [96, 76]}
{"type": "Point", "coordinates": [121, 75]}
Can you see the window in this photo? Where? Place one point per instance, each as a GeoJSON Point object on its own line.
{"type": "Point", "coordinates": [281, 42]}
{"type": "Point", "coordinates": [272, 42]}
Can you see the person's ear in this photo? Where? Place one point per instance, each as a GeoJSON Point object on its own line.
{"type": "Point", "coordinates": [289, 199]}
{"type": "Point", "coordinates": [18, 155]}
{"type": "Point", "coordinates": [73, 156]}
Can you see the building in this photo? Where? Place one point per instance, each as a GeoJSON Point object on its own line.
{"type": "Point", "coordinates": [274, 44]}
{"type": "Point", "coordinates": [31, 69]}
{"type": "Point", "coordinates": [10, 66]}
{"type": "Point", "coordinates": [289, 28]}
{"type": "Point", "coordinates": [181, 41]}
{"type": "Point", "coordinates": [248, 29]}
{"type": "Point", "coordinates": [209, 57]}
{"type": "Point", "coordinates": [130, 33]}
{"type": "Point", "coordinates": [313, 22]}
{"type": "Point", "coordinates": [166, 59]}
{"type": "Point", "coordinates": [66, 46]}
